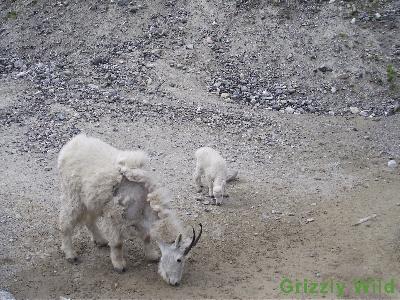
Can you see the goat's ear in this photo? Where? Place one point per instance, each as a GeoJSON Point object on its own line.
{"type": "Point", "coordinates": [163, 246]}
{"type": "Point", "coordinates": [178, 241]}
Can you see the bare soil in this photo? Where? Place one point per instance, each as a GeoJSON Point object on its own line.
{"type": "Point", "coordinates": [304, 179]}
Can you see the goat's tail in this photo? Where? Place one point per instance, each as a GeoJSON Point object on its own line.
{"type": "Point", "coordinates": [232, 175]}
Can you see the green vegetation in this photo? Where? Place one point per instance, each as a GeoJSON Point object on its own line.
{"type": "Point", "coordinates": [11, 15]}
{"type": "Point", "coordinates": [391, 73]}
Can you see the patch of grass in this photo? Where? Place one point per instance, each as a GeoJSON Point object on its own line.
{"type": "Point", "coordinates": [390, 73]}
{"type": "Point", "coordinates": [11, 15]}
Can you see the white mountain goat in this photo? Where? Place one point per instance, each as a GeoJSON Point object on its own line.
{"type": "Point", "coordinates": [212, 166]}
{"type": "Point", "coordinates": [100, 180]}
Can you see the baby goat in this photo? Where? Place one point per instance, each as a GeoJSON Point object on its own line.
{"type": "Point", "coordinates": [211, 165]}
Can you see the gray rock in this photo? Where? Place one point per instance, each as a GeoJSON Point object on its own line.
{"type": "Point", "coordinates": [21, 74]}
{"type": "Point", "coordinates": [354, 110]}
{"type": "Point", "coordinates": [392, 164]}
{"type": "Point", "coordinates": [325, 68]}
{"type": "Point", "coordinates": [100, 60]}
{"type": "Point", "coordinates": [4, 295]}
{"type": "Point", "coordinates": [123, 2]}
{"type": "Point", "coordinates": [289, 110]}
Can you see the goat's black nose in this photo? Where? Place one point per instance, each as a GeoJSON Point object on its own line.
{"type": "Point", "coordinates": [176, 284]}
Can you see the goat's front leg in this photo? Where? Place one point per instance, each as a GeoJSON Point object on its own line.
{"type": "Point", "coordinates": [210, 185]}
{"type": "Point", "coordinates": [116, 247]}
{"type": "Point", "coordinates": [151, 250]}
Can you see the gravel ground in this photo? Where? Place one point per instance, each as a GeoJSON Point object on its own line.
{"type": "Point", "coordinates": [301, 98]}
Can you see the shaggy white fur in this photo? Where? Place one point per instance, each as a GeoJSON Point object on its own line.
{"type": "Point", "coordinates": [212, 166]}
{"type": "Point", "coordinates": [98, 179]}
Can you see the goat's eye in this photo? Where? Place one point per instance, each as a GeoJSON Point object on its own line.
{"type": "Point", "coordinates": [179, 260]}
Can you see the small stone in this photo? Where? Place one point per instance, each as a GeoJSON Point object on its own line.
{"type": "Point", "coordinates": [396, 106]}
{"type": "Point", "coordinates": [325, 68]}
{"type": "Point", "coordinates": [47, 169]}
{"type": "Point", "coordinates": [61, 116]}
{"type": "Point", "coordinates": [392, 164]}
{"type": "Point", "coordinates": [206, 202]}
{"type": "Point", "coordinates": [354, 110]}
{"type": "Point", "coordinates": [333, 89]}
{"type": "Point", "coordinates": [289, 110]}
{"type": "Point", "coordinates": [343, 76]}
{"type": "Point", "coordinates": [364, 113]}
{"type": "Point", "coordinates": [225, 95]}
{"type": "Point", "coordinates": [353, 21]}
{"type": "Point", "coordinates": [189, 46]}
{"type": "Point", "coordinates": [209, 40]}
{"type": "Point", "coordinates": [377, 15]}
{"type": "Point", "coordinates": [291, 214]}
{"type": "Point", "coordinates": [21, 74]}
{"type": "Point", "coordinates": [309, 220]}
{"type": "Point", "coordinates": [100, 60]}
{"type": "Point", "coordinates": [93, 87]}
{"type": "Point", "coordinates": [207, 209]}
{"type": "Point", "coordinates": [134, 9]}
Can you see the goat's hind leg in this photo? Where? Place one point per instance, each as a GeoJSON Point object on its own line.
{"type": "Point", "coordinates": [197, 178]}
{"type": "Point", "coordinates": [69, 217]}
{"type": "Point", "coordinates": [97, 237]}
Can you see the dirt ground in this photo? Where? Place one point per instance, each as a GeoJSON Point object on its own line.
{"type": "Point", "coordinates": [334, 171]}
{"type": "Point", "coordinates": [267, 84]}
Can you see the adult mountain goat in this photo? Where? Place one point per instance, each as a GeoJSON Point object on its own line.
{"type": "Point", "coordinates": [100, 180]}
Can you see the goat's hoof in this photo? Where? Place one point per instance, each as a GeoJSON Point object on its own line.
{"type": "Point", "coordinates": [73, 260]}
{"type": "Point", "coordinates": [120, 270]}
{"type": "Point", "coordinates": [101, 244]}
